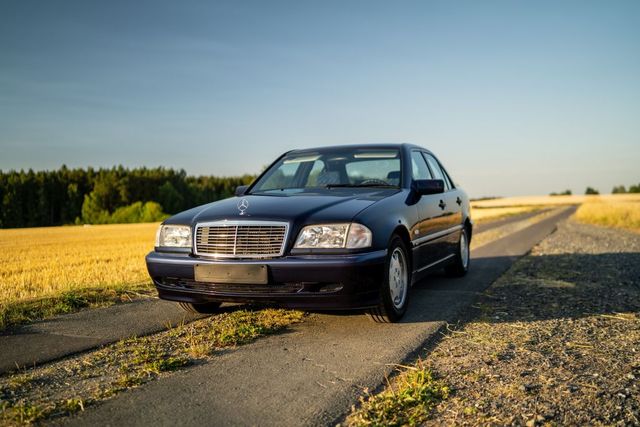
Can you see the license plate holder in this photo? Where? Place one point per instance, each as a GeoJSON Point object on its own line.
{"type": "Point", "coordinates": [250, 274]}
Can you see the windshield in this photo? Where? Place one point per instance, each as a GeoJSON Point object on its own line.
{"type": "Point", "coordinates": [329, 169]}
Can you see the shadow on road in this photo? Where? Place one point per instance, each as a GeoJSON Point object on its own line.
{"type": "Point", "coordinates": [573, 285]}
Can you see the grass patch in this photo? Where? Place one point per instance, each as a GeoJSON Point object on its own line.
{"type": "Point", "coordinates": [408, 400]}
{"type": "Point", "coordinates": [71, 385]}
{"type": "Point", "coordinates": [25, 311]}
{"type": "Point", "coordinates": [620, 214]}
{"type": "Point", "coordinates": [56, 270]}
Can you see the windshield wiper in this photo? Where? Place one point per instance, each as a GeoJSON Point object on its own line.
{"type": "Point", "coordinates": [360, 185]}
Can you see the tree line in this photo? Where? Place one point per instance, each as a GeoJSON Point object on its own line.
{"type": "Point", "coordinates": [618, 189]}
{"type": "Point", "coordinates": [98, 196]}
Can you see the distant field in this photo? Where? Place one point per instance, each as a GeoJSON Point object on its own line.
{"type": "Point", "coordinates": [45, 271]}
{"type": "Point", "coordinates": [611, 210]}
{"type": "Point", "coordinates": [551, 200]}
{"type": "Point", "coordinates": [611, 213]}
{"type": "Point", "coordinates": [480, 214]}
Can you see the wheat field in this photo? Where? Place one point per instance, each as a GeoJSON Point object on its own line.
{"type": "Point", "coordinates": [41, 263]}
{"type": "Point", "coordinates": [552, 200]}
{"type": "Point", "coordinates": [52, 270]}
{"type": "Point", "coordinates": [610, 210]}
{"type": "Point", "coordinates": [611, 213]}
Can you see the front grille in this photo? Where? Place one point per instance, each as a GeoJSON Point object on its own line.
{"type": "Point", "coordinates": [241, 239]}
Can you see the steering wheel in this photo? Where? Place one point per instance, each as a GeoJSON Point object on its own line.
{"type": "Point", "coordinates": [374, 182]}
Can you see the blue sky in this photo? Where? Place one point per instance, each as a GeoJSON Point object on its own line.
{"type": "Point", "coordinates": [514, 97]}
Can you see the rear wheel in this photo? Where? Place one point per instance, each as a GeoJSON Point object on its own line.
{"type": "Point", "coordinates": [460, 264]}
{"type": "Point", "coordinates": [394, 293]}
{"type": "Point", "coordinates": [200, 308]}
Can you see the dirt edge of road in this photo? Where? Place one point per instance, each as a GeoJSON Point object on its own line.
{"type": "Point", "coordinates": [550, 342]}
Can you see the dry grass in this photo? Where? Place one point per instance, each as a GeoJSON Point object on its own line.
{"type": "Point", "coordinates": [611, 213]}
{"type": "Point", "coordinates": [407, 401]}
{"type": "Point", "coordinates": [67, 263]}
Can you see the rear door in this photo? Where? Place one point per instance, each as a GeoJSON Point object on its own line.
{"type": "Point", "coordinates": [450, 203]}
{"type": "Point", "coordinates": [427, 248]}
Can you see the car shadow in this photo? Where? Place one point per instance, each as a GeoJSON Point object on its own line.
{"type": "Point", "coordinates": [572, 286]}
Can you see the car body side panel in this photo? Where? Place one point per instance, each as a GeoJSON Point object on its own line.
{"type": "Point", "coordinates": [428, 249]}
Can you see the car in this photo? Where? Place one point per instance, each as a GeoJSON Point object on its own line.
{"type": "Point", "coordinates": [330, 228]}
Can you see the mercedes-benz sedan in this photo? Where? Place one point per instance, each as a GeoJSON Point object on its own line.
{"type": "Point", "coordinates": [349, 227]}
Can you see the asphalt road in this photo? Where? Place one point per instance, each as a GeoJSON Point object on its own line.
{"type": "Point", "coordinates": [495, 223]}
{"type": "Point", "coordinates": [312, 374]}
{"type": "Point", "coordinates": [44, 341]}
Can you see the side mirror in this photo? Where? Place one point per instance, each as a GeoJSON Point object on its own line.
{"type": "Point", "coordinates": [425, 187]}
{"type": "Point", "coordinates": [241, 189]}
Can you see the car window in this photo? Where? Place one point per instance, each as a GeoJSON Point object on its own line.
{"type": "Point", "coordinates": [419, 169]}
{"type": "Point", "coordinates": [283, 177]}
{"type": "Point", "coordinates": [317, 170]}
{"type": "Point", "coordinates": [340, 167]}
{"type": "Point", "coordinates": [437, 172]}
{"type": "Point", "coordinates": [363, 171]}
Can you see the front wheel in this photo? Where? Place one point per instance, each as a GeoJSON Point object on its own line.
{"type": "Point", "coordinates": [460, 264]}
{"type": "Point", "coordinates": [200, 308]}
{"type": "Point", "coordinates": [395, 287]}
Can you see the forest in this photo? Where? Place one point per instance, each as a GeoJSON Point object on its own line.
{"type": "Point", "coordinates": [101, 196]}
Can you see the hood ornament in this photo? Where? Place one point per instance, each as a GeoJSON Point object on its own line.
{"type": "Point", "coordinates": [243, 205]}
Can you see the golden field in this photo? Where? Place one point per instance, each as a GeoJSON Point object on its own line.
{"type": "Point", "coordinates": [552, 200]}
{"type": "Point", "coordinates": [37, 264]}
{"type": "Point", "coordinates": [611, 213]}
{"type": "Point", "coordinates": [611, 210]}
{"type": "Point", "coordinates": [53, 270]}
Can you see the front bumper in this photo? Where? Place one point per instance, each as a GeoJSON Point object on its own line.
{"type": "Point", "coordinates": [312, 282]}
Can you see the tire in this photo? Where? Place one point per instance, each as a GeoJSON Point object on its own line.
{"type": "Point", "coordinates": [394, 292]}
{"type": "Point", "coordinates": [200, 308]}
{"type": "Point", "coordinates": [460, 265]}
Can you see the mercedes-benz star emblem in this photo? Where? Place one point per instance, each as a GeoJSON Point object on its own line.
{"type": "Point", "coordinates": [243, 205]}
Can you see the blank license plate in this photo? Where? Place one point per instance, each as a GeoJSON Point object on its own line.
{"type": "Point", "coordinates": [254, 274]}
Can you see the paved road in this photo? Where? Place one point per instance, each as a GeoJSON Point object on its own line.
{"type": "Point", "coordinates": [495, 223]}
{"type": "Point", "coordinates": [51, 339]}
{"type": "Point", "coordinates": [314, 373]}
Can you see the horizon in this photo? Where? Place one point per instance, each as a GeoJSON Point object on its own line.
{"type": "Point", "coordinates": [577, 192]}
{"type": "Point", "coordinates": [514, 99]}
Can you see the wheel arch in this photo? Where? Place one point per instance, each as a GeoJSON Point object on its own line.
{"type": "Point", "coordinates": [402, 232]}
{"type": "Point", "coordinates": [468, 226]}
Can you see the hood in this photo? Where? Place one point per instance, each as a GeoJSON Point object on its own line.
{"type": "Point", "coordinates": [298, 208]}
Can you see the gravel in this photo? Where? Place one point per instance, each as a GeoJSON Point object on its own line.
{"type": "Point", "coordinates": [556, 340]}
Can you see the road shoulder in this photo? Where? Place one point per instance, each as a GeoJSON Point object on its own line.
{"type": "Point", "coordinates": [553, 341]}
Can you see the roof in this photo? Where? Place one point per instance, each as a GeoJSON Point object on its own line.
{"type": "Point", "coordinates": [357, 146]}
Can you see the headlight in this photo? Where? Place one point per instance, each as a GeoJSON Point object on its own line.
{"type": "Point", "coordinates": [334, 236]}
{"type": "Point", "coordinates": [174, 236]}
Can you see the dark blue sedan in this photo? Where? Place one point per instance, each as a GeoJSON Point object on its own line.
{"type": "Point", "coordinates": [350, 227]}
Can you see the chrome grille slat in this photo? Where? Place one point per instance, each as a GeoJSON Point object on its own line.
{"type": "Point", "coordinates": [241, 239]}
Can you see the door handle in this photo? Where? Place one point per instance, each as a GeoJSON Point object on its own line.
{"type": "Point", "coordinates": [459, 201]}
{"type": "Point", "coordinates": [442, 204]}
